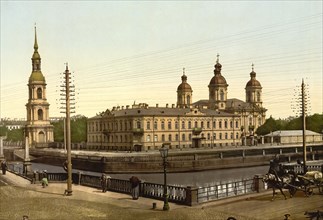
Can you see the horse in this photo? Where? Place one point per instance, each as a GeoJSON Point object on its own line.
{"type": "Point", "coordinates": [285, 181]}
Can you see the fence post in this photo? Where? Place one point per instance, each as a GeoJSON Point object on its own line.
{"type": "Point", "coordinates": [258, 183]}
{"type": "Point", "coordinates": [191, 196]}
{"type": "Point", "coordinates": [80, 175]}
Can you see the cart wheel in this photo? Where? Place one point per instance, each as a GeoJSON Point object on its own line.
{"type": "Point", "coordinates": [308, 191]}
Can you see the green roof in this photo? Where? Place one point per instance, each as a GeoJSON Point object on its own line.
{"type": "Point", "coordinates": [36, 76]}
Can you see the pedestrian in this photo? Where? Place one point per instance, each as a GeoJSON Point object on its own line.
{"type": "Point", "coordinates": [135, 184]}
{"type": "Point", "coordinates": [44, 180]}
{"type": "Point", "coordinates": [104, 182]}
{"type": "Point", "coordinates": [4, 167]}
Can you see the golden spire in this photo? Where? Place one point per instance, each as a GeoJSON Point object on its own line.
{"type": "Point", "coordinates": [35, 44]}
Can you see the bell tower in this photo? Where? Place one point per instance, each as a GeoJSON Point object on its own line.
{"type": "Point", "coordinates": [218, 89]}
{"type": "Point", "coordinates": [38, 128]}
{"type": "Point", "coordinates": [184, 93]}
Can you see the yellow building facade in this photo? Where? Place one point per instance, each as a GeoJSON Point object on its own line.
{"type": "Point", "coordinates": [215, 122]}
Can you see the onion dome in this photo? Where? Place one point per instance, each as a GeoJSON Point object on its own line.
{"type": "Point", "coordinates": [218, 79]}
{"type": "Point", "coordinates": [36, 74]}
{"type": "Point", "coordinates": [184, 86]}
{"type": "Point", "coordinates": [253, 82]}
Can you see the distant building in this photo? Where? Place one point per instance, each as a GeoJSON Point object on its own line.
{"type": "Point", "coordinates": [293, 137]}
{"type": "Point", "coordinates": [215, 122]}
{"type": "Point", "coordinates": [12, 124]}
{"type": "Point", "coordinates": [38, 128]}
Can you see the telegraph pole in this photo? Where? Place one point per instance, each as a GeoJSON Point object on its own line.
{"type": "Point", "coordinates": [304, 125]}
{"type": "Point", "coordinates": [301, 109]}
{"type": "Point", "coordinates": [67, 93]}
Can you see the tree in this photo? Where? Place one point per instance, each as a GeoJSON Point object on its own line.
{"type": "Point", "coordinates": [15, 135]}
{"type": "Point", "coordinates": [78, 129]}
{"type": "Point", "coordinates": [269, 126]}
{"type": "Point", "coordinates": [313, 123]}
{"type": "Point", "coordinates": [3, 131]}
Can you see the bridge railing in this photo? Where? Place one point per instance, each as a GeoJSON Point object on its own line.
{"type": "Point", "coordinates": [177, 194]}
{"type": "Point", "coordinates": [299, 168]}
{"type": "Point", "coordinates": [225, 190]}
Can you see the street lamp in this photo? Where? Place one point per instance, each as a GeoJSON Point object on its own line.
{"type": "Point", "coordinates": [164, 153]}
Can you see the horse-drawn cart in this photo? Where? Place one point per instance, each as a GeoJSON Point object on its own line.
{"type": "Point", "coordinates": [310, 181]}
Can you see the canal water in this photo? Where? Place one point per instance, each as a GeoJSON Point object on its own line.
{"type": "Point", "coordinates": [199, 179]}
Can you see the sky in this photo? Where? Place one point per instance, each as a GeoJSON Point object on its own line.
{"type": "Point", "coordinates": [128, 52]}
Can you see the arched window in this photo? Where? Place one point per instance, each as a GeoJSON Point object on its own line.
{"type": "Point", "coordinates": [163, 137]}
{"type": "Point", "coordinates": [222, 95]}
{"type": "Point", "coordinates": [39, 93]}
{"type": "Point", "coordinates": [138, 124]}
{"type": "Point", "coordinates": [183, 124]}
{"type": "Point", "coordinates": [155, 125]}
{"type": "Point", "coordinates": [258, 96]}
{"type": "Point", "coordinates": [189, 125]}
{"type": "Point", "coordinates": [148, 125]}
{"type": "Point", "coordinates": [188, 100]}
{"type": "Point", "coordinates": [169, 125]}
{"type": "Point", "coordinates": [40, 114]}
{"type": "Point", "coordinates": [163, 125]}
{"type": "Point", "coordinates": [169, 137]}
{"type": "Point", "coordinates": [148, 137]}
{"type": "Point", "coordinates": [195, 124]}
{"type": "Point", "coordinates": [183, 137]}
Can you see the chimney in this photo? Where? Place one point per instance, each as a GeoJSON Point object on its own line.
{"type": "Point", "coordinates": [156, 105]}
{"type": "Point", "coordinates": [127, 106]}
{"type": "Point", "coordinates": [173, 105]}
{"type": "Point", "coordinates": [167, 105]}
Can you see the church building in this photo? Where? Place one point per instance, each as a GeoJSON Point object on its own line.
{"type": "Point", "coordinates": [38, 128]}
{"type": "Point", "coordinates": [215, 122]}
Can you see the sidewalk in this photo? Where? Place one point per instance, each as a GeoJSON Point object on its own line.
{"type": "Point", "coordinates": [23, 198]}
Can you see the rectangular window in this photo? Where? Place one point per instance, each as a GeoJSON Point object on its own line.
{"type": "Point", "coordinates": [155, 138]}
{"type": "Point", "coordinates": [214, 124]}
{"type": "Point", "coordinates": [202, 124]}
{"type": "Point", "coordinates": [189, 125]}
{"type": "Point", "coordinates": [208, 124]}
{"type": "Point", "coordinates": [176, 124]}
{"type": "Point", "coordinates": [176, 137]}
{"type": "Point", "coordinates": [169, 125]}
{"type": "Point", "coordinates": [148, 138]}
{"type": "Point", "coordinates": [163, 137]}
{"type": "Point", "coordinates": [183, 124]}
{"type": "Point", "coordinates": [169, 137]}
{"type": "Point", "coordinates": [183, 137]}
{"type": "Point", "coordinates": [220, 124]}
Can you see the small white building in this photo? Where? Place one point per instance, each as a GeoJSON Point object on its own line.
{"type": "Point", "coordinates": [293, 137]}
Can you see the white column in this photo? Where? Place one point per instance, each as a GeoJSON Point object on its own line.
{"type": "Point", "coordinates": [1, 147]}
{"type": "Point", "coordinates": [26, 148]}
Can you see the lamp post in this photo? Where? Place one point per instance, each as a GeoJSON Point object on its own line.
{"type": "Point", "coordinates": [164, 153]}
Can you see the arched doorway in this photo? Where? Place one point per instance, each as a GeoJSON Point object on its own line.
{"type": "Point", "coordinates": [41, 137]}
